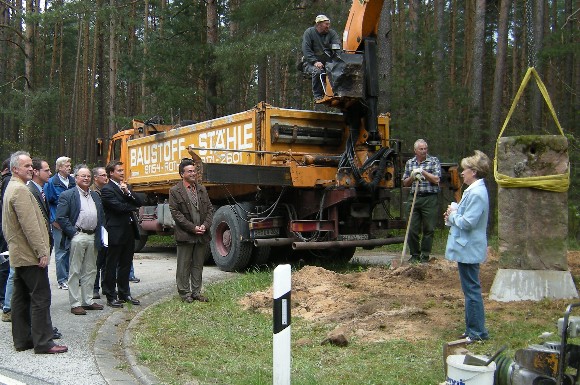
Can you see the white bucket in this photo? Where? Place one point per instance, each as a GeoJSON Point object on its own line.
{"type": "Point", "coordinates": [460, 374]}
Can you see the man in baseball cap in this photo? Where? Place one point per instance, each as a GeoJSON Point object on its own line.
{"type": "Point", "coordinates": [321, 18]}
{"type": "Point", "coordinates": [317, 44]}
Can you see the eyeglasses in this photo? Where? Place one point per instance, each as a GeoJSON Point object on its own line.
{"type": "Point", "coordinates": [83, 176]}
{"type": "Point", "coordinates": [102, 175]}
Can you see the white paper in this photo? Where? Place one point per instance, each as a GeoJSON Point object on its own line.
{"type": "Point", "coordinates": [104, 236]}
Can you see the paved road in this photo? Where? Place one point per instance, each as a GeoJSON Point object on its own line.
{"type": "Point", "coordinates": [96, 353]}
{"type": "Point", "coordinates": [99, 349]}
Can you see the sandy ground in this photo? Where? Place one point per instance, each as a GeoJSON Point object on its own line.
{"type": "Point", "coordinates": [381, 304]}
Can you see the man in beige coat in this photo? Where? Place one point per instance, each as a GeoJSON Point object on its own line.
{"type": "Point", "coordinates": [26, 231]}
{"type": "Point", "coordinates": [192, 212]}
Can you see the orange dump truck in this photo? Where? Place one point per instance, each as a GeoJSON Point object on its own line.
{"type": "Point", "coordinates": [279, 179]}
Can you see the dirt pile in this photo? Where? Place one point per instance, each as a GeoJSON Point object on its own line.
{"type": "Point", "coordinates": [379, 303]}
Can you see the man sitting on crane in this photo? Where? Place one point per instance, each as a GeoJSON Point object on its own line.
{"type": "Point", "coordinates": [318, 42]}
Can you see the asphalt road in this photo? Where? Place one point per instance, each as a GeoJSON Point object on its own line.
{"type": "Point", "coordinates": [97, 353]}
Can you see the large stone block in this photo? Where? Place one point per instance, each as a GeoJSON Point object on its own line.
{"type": "Point", "coordinates": [532, 223]}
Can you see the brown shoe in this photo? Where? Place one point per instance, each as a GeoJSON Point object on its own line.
{"type": "Point", "coordinates": [93, 306]}
{"type": "Point", "coordinates": [55, 350]}
{"type": "Point", "coordinates": [78, 310]}
{"type": "Point", "coordinates": [199, 298]}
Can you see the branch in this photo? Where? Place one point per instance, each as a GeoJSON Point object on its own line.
{"type": "Point", "coordinates": [14, 81]}
{"type": "Point", "coordinates": [13, 29]}
{"type": "Point", "coordinates": [16, 44]}
{"type": "Point", "coordinates": [570, 17]}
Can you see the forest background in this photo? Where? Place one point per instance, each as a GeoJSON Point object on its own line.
{"type": "Point", "coordinates": [74, 71]}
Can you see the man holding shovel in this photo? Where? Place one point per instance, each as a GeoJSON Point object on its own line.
{"type": "Point", "coordinates": [422, 174]}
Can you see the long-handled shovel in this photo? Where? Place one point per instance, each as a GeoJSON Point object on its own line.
{"type": "Point", "coordinates": [409, 222]}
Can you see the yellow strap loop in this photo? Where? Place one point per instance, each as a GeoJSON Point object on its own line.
{"type": "Point", "coordinates": [555, 183]}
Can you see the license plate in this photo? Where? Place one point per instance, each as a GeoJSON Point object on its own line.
{"type": "Point", "coordinates": [353, 237]}
{"type": "Point", "coordinates": [265, 233]}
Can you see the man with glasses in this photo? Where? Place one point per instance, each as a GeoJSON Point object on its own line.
{"type": "Point", "coordinates": [192, 212]}
{"type": "Point", "coordinates": [80, 216]}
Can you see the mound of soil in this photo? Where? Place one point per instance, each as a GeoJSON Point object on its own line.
{"type": "Point", "coordinates": [380, 304]}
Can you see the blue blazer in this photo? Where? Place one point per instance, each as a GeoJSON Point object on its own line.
{"type": "Point", "coordinates": [68, 210]}
{"type": "Point", "coordinates": [467, 241]}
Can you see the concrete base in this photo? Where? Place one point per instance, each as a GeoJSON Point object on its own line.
{"type": "Point", "coordinates": [532, 285]}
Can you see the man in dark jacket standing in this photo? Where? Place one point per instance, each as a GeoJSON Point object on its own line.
{"type": "Point", "coordinates": [192, 212]}
{"type": "Point", "coordinates": [60, 182]}
{"type": "Point", "coordinates": [318, 43]}
{"type": "Point", "coordinates": [121, 224]}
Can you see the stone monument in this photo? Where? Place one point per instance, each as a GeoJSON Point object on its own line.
{"type": "Point", "coordinates": [532, 220]}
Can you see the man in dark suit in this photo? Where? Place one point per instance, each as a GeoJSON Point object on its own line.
{"type": "Point", "coordinates": [122, 228]}
{"type": "Point", "coordinates": [40, 175]}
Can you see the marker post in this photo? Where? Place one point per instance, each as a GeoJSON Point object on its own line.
{"type": "Point", "coordinates": [282, 321]}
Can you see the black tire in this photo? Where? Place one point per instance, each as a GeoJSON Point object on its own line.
{"type": "Point", "coordinates": [229, 252]}
{"type": "Point", "coordinates": [140, 243]}
{"type": "Point", "coordinates": [260, 255]}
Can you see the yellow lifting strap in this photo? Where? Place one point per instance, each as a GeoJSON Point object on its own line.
{"type": "Point", "coordinates": [555, 183]}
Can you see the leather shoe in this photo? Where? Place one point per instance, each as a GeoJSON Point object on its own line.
{"type": "Point", "coordinates": [56, 349]}
{"type": "Point", "coordinates": [114, 303]}
{"type": "Point", "coordinates": [56, 334]}
{"type": "Point", "coordinates": [200, 298]}
{"type": "Point", "coordinates": [78, 311]}
{"type": "Point", "coordinates": [132, 300]}
{"type": "Point", "coordinates": [134, 280]}
{"type": "Point", "coordinates": [187, 299]}
{"type": "Point", "coordinates": [94, 306]}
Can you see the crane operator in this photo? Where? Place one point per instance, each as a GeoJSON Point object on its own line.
{"type": "Point", "coordinates": [317, 45]}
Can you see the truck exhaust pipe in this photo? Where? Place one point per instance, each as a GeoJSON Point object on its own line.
{"type": "Point", "coordinates": [338, 244]}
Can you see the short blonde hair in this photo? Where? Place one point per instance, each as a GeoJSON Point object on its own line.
{"type": "Point", "coordinates": [479, 163]}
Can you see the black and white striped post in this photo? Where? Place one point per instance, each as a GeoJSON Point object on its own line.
{"type": "Point", "coordinates": [282, 321]}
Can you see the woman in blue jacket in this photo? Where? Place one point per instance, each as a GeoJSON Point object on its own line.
{"type": "Point", "coordinates": [467, 241]}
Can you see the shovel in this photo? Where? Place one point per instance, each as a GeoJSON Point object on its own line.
{"type": "Point", "coordinates": [409, 222]}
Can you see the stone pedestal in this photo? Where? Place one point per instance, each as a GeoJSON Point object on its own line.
{"type": "Point", "coordinates": [532, 223]}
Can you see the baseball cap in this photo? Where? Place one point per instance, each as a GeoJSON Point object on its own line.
{"type": "Point", "coordinates": [320, 18]}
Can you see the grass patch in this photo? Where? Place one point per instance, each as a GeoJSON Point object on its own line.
{"type": "Point", "coordinates": [219, 343]}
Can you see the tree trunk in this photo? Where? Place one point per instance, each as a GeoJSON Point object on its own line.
{"type": "Point", "coordinates": [212, 40]}
{"type": "Point", "coordinates": [385, 43]}
{"type": "Point", "coordinates": [538, 41]}
{"type": "Point", "coordinates": [112, 68]}
{"type": "Point", "coordinates": [500, 68]}
{"type": "Point", "coordinates": [476, 100]}
{"type": "Point", "coordinates": [439, 50]}
{"type": "Point", "coordinates": [144, 90]}
{"type": "Point", "coordinates": [25, 134]}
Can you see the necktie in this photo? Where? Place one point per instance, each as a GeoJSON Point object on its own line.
{"type": "Point", "coordinates": [193, 195]}
{"type": "Point", "coordinates": [43, 197]}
